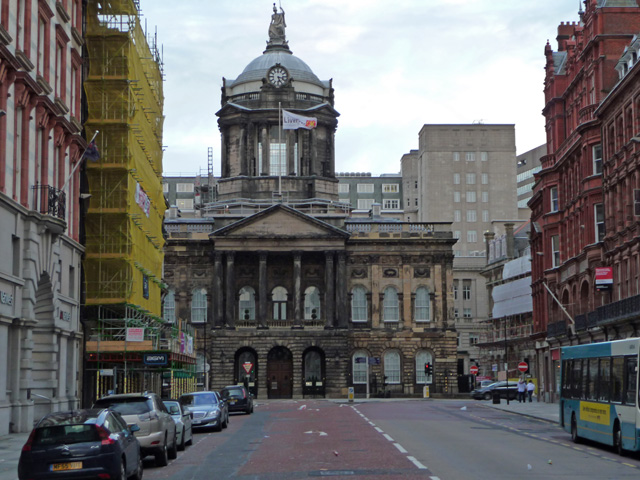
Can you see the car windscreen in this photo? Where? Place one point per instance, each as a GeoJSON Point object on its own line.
{"type": "Point", "coordinates": [173, 407]}
{"type": "Point", "coordinates": [65, 434]}
{"type": "Point", "coordinates": [126, 406]}
{"type": "Point", "coordinates": [199, 400]}
{"type": "Point", "coordinates": [233, 393]}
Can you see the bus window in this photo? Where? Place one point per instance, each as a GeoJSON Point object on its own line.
{"type": "Point", "coordinates": [593, 378]}
{"type": "Point", "coordinates": [566, 376]}
{"type": "Point", "coordinates": [576, 379]}
{"type": "Point", "coordinates": [631, 382]}
{"type": "Point", "coordinates": [604, 380]}
{"type": "Point", "coordinates": [617, 376]}
{"type": "Point", "coordinates": [585, 379]}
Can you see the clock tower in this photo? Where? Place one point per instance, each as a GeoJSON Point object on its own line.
{"type": "Point", "coordinates": [261, 161]}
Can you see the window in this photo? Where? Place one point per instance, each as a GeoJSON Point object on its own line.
{"type": "Point", "coordinates": [184, 203]}
{"type": "Point", "coordinates": [365, 188]}
{"type": "Point", "coordinates": [457, 216]}
{"type": "Point", "coordinates": [311, 303]}
{"type": "Point", "coordinates": [485, 197]}
{"type": "Point", "coordinates": [169, 313]}
{"type": "Point", "coordinates": [390, 188]}
{"type": "Point", "coordinates": [553, 197]}
{"type": "Point", "coordinates": [617, 377]}
{"type": "Point", "coordinates": [422, 305]}
{"type": "Point", "coordinates": [247, 303]}
{"type": "Point", "coordinates": [359, 305]}
{"type": "Point", "coordinates": [472, 236]}
{"type": "Point", "coordinates": [455, 289]}
{"type": "Point", "coordinates": [416, 202]}
{"type": "Point", "coordinates": [471, 178]}
{"type": "Point", "coordinates": [485, 179]}
{"type": "Point", "coordinates": [390, 305]}
{"type": "Point", "coordinates": [279, 299]}
{"type": "Point", "coordinates": [392, 367]}
{"type": "Point", "coordinates": [466, 313]}
{"type": "Point", "coordinates": [184, 187]}
{"type": "Point", "coordinates": [365, 203]}
{"type": "Point", "coordinates": [313, 366]}
{"type": "Point", "coordinates": [15, 252]}
{"type": "Point", "coordinates": [599, 220]}
{"type": "Point", "coordinates": [597, 160]}
{"type": "Point", "coordinates": [636, 202]}
{"type": "Point", "coordinates": [165, 187]}
{"type": "Point", "coordinates": [72, 281]}
{"type": "Point", "coordinates": [484, 156]}
{"type": "Point", "coordinates": [555, 251]}
{"type": "Point", "coordinates": [471, 197]}
{"type": "Point", "coordinates": [456, 197]}
{"type": "Point", "coordinates": [466, 290]}
{"type": "Point", "coordinates": [631, 365]}
{"type": "Point", "coordinates": [360, 367]}
{"type": "Point", "coordinates": [456, 313]}
{"type": "Point", "coordinates": [471, 216]}
{"type": "Point", "coordinates": [343, 188]}
{"type": "Point", "coordinates": [473, 339]}
{"type": "Point", "coordinates": [456, 179]}
{"type": "Point", "coordinates": [423, 358]}
{"type": "Point", "coordinates": [485, 215]}
{"type": "Point", "coordinates": [457, 234]}
{"type": "Point", "coordinates": [199, 306]}
{"type": "Point", "coordinates": [471, 156]}
{"type": "Point", "coordinates": [456, 156]}
{"type": "Point", "coordinates": [604, 380]}
{"type": "Point", "coordinates": [391, 204]}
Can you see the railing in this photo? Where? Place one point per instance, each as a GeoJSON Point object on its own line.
{"type": "Point", "coordinates": [50, 201]}
{"type": "Point", "coordinates": [307, 324]}
{"type": "Point", "coordinates": [557, 329]}
{"type": "Point", "coordinates": [398, 227]}
{"type": "Point", "coordinates": [586, 114]}
{"type": "Point", "coordinates": [516, 332]}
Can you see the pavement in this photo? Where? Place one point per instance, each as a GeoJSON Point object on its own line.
{"type": "Point", "coordinates": [11, 445]}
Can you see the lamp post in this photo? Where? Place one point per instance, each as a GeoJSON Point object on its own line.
{"type": "Point", "coordinates": [506, 358]}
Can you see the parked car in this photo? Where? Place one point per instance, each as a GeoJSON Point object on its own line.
{"type": "Point", "coordinates": [486, 393]}
{"type": "Point", "coordinates": [238, 398]}
{"type": "Point", "coordinates": [182, 417]}
{"type": "Point", "coordinates": [157, 434]}
{"type": "Point", "coordinates": [208, 408]}
{"type": "Point", "coordinates": [92, 443]}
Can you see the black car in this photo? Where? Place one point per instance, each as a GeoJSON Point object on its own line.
{"type": "Point", "coordinates": [238, 398]}
{"type": "Point", "coordinates": [94, 443]}
{"type": "Point", "coordinates": [486, 393]}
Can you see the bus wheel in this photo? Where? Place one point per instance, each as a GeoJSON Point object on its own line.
{"type": "Point", "coordinates": [617, 440]}
{"type": "Point", "coordinates": [574, 429]}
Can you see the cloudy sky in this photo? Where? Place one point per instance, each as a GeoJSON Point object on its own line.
{"type": "Point", "coordinates": [395, 67]}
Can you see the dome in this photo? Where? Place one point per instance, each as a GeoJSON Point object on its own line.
{"type": "Point", "coordinates": [258, 68]}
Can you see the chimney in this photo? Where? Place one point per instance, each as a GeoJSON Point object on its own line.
{"type": "Point", "coordinates": [508, 229]}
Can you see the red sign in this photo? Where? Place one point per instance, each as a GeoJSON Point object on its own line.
{"type": "Point", "coordinates": [523, 367]}
{"type": "Point", "coordinates": [247, 367]}
{"type": "Point", "coordinates": [604, 278]}
{"type": "Point", "coordinates": [473, 370]}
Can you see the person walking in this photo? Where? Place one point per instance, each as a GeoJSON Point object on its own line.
{"type": "Point", "coordinates": [530, 389]}
{"type": "Point", "coordinates": [521, 390]}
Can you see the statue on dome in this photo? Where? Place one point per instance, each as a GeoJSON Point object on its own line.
{"type": "Point", "coordinates": [276, 29]}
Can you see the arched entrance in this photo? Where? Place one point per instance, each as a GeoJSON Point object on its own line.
{"type": "Point", "coordinates": [313, 372]}
{"type": "Point", "coordinates": [280, 373]}
{"type": "Point", "coordinates": [246, 369]}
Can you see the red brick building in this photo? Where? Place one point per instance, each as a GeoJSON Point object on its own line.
{"type": "Point", "coordinates": [568, 206]}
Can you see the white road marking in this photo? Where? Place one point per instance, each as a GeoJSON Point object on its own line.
{"type": "Point", "coordinates": [417, 463]}
{"type": "Point", "coordinates": [400, 448]}
{"type": "Point", "coordinates": [379, 430]}
{"type": "Point", "coordinates": [388, 437]}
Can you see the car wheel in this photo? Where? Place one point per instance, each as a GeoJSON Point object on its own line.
{"type": "Point", "coordinates": [225, 422]}
{"type": "Point", "coordinates": [617, 440]}
{"type": "Point", "coordinates": [181, 444]}
{"type": "Point", "coordinates": [172, 452]}
{"type": "Point", "coordinates": [139, 469]}
{"type": "Point", "coordinates": [218, 427]}
{"type": "Point", "coordinates": [122, 474]}
{"type": "Point", "coordinates": [162, 459]}
{"type": "Point", "coordinates": [487, 396]}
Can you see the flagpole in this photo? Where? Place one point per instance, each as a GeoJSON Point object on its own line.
{"type": "Point", "coordinates": [66, 182]}
{"type": "Point", "coordinates": [280, 152]}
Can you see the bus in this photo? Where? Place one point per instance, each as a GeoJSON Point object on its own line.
{"type": "Point", "coordinates": [599, 393]}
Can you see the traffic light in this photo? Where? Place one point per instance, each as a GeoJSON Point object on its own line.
{"type": "Point", "coordinates": [428, 369]}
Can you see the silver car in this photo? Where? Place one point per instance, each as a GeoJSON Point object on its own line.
{"type": "Point", "coordinates": [208, 409]}
{"type": "Point", "coordinates": [157, 434]}
{"type": "Point", "coordinates": [182, 417]}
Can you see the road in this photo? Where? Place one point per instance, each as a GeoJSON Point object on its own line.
{"type": "Point", "coordinates": [421, 439]}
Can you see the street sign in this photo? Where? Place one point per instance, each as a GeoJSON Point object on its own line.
{"type": "Point", "coordinates": [523, 367]}
{"type": "Point", "coordinates": [247, 367]}
{"type": "Point", "coordinates": [473, 370]}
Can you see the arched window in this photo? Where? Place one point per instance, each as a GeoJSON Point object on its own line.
{"type": "Point", "coordinates": [422, 358]}
{"type": "Point", "coordinates": [247, 303]}
{"type": "Point", "coordinates": [279, 298]}
{"type": "Point", "coordinates": [360, 367]}
{"type": "Point", "coordinates": [391, 311]}
{"type": "Point", "coordinates": [312, 366]}
{"type": "Point", "coordinates": [169, 313]}
{"type": "Point", "coordinates": [422, 305]}
{"type": "Point", "coordinates": [199, 305]}
{"type": "Point", "coordinates": [359, 305]}
{"type": "Point", "coordinates": [392, 367]}
{"type": "Point", "coordinates": [311, 303]}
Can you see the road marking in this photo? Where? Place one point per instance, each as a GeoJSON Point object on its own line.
{"type": "Point", "coordinates": [630, 465]}
{"type": "Point", "coordinates": [434, 478]}
{"type": "Point", "coordinates": [417, 463]}
{"type": "Point", "coordinates": [387, 436]}
{"type": "Point", "coordinates": [379, 430]}
{"type": "Point", "coordinates": [400, 448]}
{"type": "Point", "coordinates": [372, 424]}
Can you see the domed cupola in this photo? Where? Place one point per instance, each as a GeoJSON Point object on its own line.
{"type": "Point", "coordinates": [260, 157]}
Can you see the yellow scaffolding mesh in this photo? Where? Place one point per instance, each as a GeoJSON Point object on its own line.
{"type": "Point", "coordinates": [124, 240]}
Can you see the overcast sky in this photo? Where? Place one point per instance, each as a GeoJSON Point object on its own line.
{"type": "Point", "coordinates": [395, 66]}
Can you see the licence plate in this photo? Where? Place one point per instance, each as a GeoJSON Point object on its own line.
{"type": "Point", "coordinates": [59, 467]}
{"type": "Point", "coordinates": [232, 402]}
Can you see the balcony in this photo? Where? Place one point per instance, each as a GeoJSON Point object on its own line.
{"type": "Point", "coordinates": [50, 201]}
{"type": "Point", "coordinates": [586, 114]}
{"type": "Point", "coordinates": [557, 329]}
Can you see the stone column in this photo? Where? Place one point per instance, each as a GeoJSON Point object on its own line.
{"type": "Point", "coordinates": [263, 291]}
{"type": "Point", "coordinates": [341, 291]}
{"type": "Point", "coordinates": [224, 160]}
{"type": "Point", "coordinates": [264, 168]}
{"type": "Point", "coordinates": [330, 290]}
{"type": "Point", "coordinates": [218, 297]}
{"type": "Point", "coordinates": [313, 164]}
{"type": "Point", "coordinates": [297, 289]}
{"type": "Point", "coordinates": [242, 153]}
{"type": "Point", "coordinates": [230, 290]}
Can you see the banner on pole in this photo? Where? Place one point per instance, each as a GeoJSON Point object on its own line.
{"type": "Point", "coordinates": [292, 121]}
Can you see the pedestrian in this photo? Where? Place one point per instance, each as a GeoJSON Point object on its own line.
{"type": "Point", "coordinates": [530, 389]}
{"type": "Point", "coordinates": [521, 390]}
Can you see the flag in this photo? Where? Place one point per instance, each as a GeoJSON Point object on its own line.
{"type": "Point", "coordinates": [92, 153]}
{"type": "Point", "coordinates": [291, 121]}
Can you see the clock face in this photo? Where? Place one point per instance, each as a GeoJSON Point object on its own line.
{"type": "Point", "coordinates": [278, 76]}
